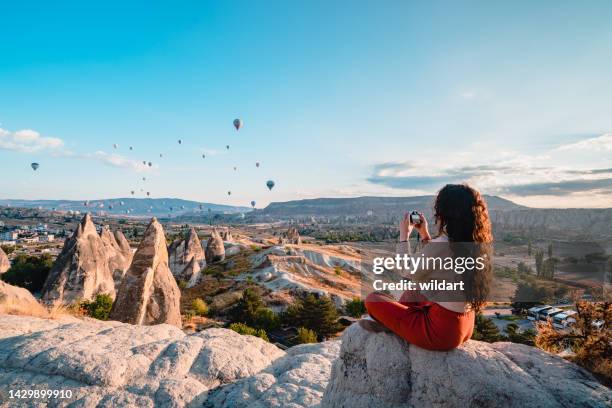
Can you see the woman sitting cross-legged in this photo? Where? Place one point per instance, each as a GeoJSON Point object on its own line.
{"type": "Point", "coordinates": [432, 320]}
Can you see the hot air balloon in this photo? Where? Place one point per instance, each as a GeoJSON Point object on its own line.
{"type": "Point", "coordinates": [270, 184]}
{"type": "Point", "coordinates": [144, 179]}
{"type": "Point", "coordinates": [115, 146]}
{"type": "Point", "coordinates": [203, 156]}
{"type": "Point", "coordinates": [253, 203]}
{"type": "Point", "coordinates": [110, 207]}
{"type": "Point", "coordinates": [229, 193]}
{"type": "Point", "coordinates": [180, 141]}
{"type": "Point", "coordinates": [132, 192]}
{"type": "Point", "coordinates": [161, 155]}
{"type": "Point", "coordinates": [122, 203]}
{"type": "Point", "coordinates": [235, 168]}
{"type": "Point", "coordinates": [227, 147]}
{"type": "Point", "coordinates": [35, 166]}
{"type": "Point", "coordinates": [148, 194]}
{"type": "Point", "coordinates": [257, 164]}
{"type": "Point", "coordinates": [201, 207]}
{"type": "Point", "coordinates": [237, 123]}
{"type": "Point", "coordinates": [150, 164]}
{"type": "Point", "coordinates": [131, 148]}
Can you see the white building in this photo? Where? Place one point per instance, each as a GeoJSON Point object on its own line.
{"type": "Point", "coordinates": [46, 238]}
{"type": "Point", "coordinates": [9, 236]}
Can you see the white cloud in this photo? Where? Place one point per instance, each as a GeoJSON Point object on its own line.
{"type": "Point", "coordinates": [595, 144]}
{"type": "Point", "coordinates": [116, 160]}
{"type": "Point", "coordinates": [28, 141]}
{"type": "Point", "coordinates": [468, 95]}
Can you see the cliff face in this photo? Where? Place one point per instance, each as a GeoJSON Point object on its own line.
{"type": "Point", "coordinates": [82, 269]}
{"type": "Point", "coordinates": [148, 293]}
{"type": "Point", "coordinates": [381, 370]}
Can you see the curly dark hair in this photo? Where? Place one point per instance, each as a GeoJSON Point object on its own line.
{"type": "Point", "coordinates": [461, 213]}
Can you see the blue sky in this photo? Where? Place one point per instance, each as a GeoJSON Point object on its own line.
{"type": "Point", "coordinates": [339, 98]}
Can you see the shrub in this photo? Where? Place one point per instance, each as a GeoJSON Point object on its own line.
{"type": "Point", "coordinates": [29, 272]}
{"type": "Point", "coordinates": [266, 319]}
{"type": "Point", "coordinates": [199, 307]}
{"type": "Point", "coordinates": [591, 344]}
{"type": "Point", "coordinates": [182, 283]}
{"type": "Point", "coordinates": [189, 315]}
{"type": "Point", "coordinates": [314, 312]}
{"type": "Point", "coordinates": [305, 335]}
{"type": "Point", "coordinates": [338, 270]}
{"type": "Point", "coordinates": [255, 248]}
{"type": "Point", "coordinates": [486, 330]}
{"type": "Point", "coordinates": [99, 308]}
{"type": "Point", "coordinates": [247, 330]}
{"type": "Point", "coordinates": [355, 307]}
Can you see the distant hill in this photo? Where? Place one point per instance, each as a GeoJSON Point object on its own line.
{"type": "Point", "coordinates": [135, 206]}
{"type": "Point", "coordinates": [360, 206]}
{"type": "Point", "coordinates": [589, 223]}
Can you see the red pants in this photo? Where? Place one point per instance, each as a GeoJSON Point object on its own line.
{"type": "Point", "coordinates": [422, 323]}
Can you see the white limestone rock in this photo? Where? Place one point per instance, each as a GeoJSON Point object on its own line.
{"type": "Point", "coordinates": [382, 370]}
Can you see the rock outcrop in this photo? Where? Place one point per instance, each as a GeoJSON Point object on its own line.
{"type": "Point", "coordinates": [118, 251]}
{"type": "Point", "coordinates": [82, 270]}
{"type": "Point", "coordinates": [382, 370]}
{"type": "Point", "coordinates": [226, 235]}
{"type": "Point", "coordinates": [296, 380]}
{"type": "Point", "coordinates": [292, 236]}
{"type": "Point", "coordinates": [13, 298]}
{"type": "Point", "coordinates": [186, 258]}
{"type": "Point", "coordinates": [112, 364]}
{"type": "Point", "coordinates": [215, 249]}
{"type": "Point", "coordinates": [4, 262]}
{"type": "Point", "coordinates": [107, 364]}
{"type": "Point", "coordinates": [148, 293]}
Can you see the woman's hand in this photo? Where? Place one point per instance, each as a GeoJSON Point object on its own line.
{"type": "Point", "coordinates": [422, 228]}
{"type": "Point", "coordinates": [405, 227]}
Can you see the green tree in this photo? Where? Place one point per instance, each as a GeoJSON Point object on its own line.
{"type": "Point", "coordinates": [529, 248]}
{"type": "Point", "coordinates": [305, 335]}
{"type": "Point", "coordinates": [246, 308]}
{"type": "Point", "coordinates": [355, 307]}
{"type": "Point", "coordinates": [485, 330]}
{"type": "Point", "coordinates": [251, 310]}
{"type": "Point", "coordinates": [516, 336]}
{"type": "Point", "coordinates": [29, 272]}
{"type": "Point", "coordinates": [100, 307]}
{"type": "Point", "coordinates": [266, 319]}
{"type": "Point", "coordinates": [539, 262]}
{"type": "Point", "coordinates": [247, 330]}
{"type": "Point", "coordinates": [314, 312]}
{"type": "Point", "coordinates": [530, 294]}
